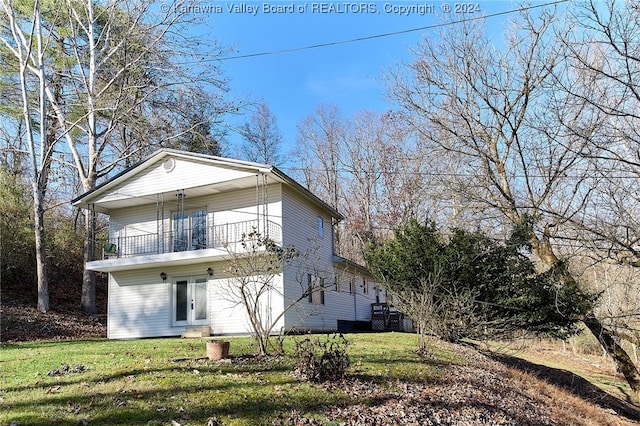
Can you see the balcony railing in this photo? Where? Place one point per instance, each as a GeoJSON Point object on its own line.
{"type": "Point", "coordinates": [183, 239]}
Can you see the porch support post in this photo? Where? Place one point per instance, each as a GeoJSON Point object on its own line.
{"type": "Point", "coordinates": [265, 204]}
{"type": "Point", "coordinates": [262, 202]}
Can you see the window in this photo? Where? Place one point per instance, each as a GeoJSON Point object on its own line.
{"type": "Point", "coordinates": [181, 300]}
{"type": "Point", "coordinates": [199, 229]}
{"type": "Point", "coordinates": [336, 284]}
{"type": "Point", "coordinates": [365, 286]}
{"type": "Point", "coordinates": [352, 286]}
{"type": "Point", "coordinates": [190, 230]}
{"type": "Point", "coordinates": [320, 227]}
{"type": "Point", "coordinates": [315, 288]}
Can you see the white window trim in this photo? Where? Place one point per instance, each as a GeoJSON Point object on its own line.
{"type": "Point", "coordinates": [320, 227]}
{"type": "Point", "coordinates": [317, 296]}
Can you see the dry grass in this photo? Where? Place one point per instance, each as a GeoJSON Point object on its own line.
{"type": "Point", "coordinates": [567, 408]}
{"type": "Point", "coordinates": [585, 387]}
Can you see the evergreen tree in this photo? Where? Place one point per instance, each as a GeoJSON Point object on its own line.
{"type": "Point", "coordinates": [468, 285]}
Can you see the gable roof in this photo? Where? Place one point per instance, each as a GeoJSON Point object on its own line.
{"type": "Point", "coordinates": [158, 169]}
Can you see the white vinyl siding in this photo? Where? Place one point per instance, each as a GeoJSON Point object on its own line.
{"type": "Point", "coordinates": [239, 206]}
{"type": "Point", "coordinates": [185, 174]}
{"type": "Point", "coordinates": [300, 228]}
{"type": "Point", "coordinates": [141, 304]}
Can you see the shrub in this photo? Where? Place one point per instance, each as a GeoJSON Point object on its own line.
{"type": "Point", "coordinates": [322, 360]}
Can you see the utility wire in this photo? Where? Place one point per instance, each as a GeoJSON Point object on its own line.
{"type": "Point", "coordinates": [372, 37]}
{"type": "Point", "coordinates": [351, 171]}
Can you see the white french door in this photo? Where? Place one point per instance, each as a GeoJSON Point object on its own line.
{"type": "Point", "coordinates": [190, 230]}
{"type": "Point", "coordinates": [190, 301]}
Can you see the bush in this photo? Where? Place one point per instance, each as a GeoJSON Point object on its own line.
{"type": "Point", "coordinates": [322, 360]}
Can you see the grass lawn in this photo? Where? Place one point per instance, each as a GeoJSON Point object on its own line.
{"type": "Point", "coordinates": [139, 382]}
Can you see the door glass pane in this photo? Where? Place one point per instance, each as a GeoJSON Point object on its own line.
{"type": "Point", "coordinates": [180, 231]}
{"type": "Point", "coordinates": [198, 230]}
{"type": "Point", "coordinates": [200, 299]}
{"type": "Point", "coordinates": [181, 301]}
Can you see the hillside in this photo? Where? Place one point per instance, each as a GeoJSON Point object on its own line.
{"type": "Point", "coordinates": [21, 321]}
{"type": "Point", "coordinates": [489, 389]}
{"type": "Point", "coordinates": [486, 388]}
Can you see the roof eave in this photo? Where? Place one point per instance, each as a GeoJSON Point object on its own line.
{"type": "Point", "coordinates": [310, 195]}
{"type": "Point", "coordinates": [84, 200]}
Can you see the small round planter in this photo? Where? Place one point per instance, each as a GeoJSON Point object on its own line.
{"type": "Point", "coordinates": [217, 349]}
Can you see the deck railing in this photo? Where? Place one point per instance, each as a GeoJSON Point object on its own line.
{"type": "Point", "coordinates": [183, 239]}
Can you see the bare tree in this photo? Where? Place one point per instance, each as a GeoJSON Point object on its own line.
{"type": "Point", "coordinates": [320, 141]}
{"type": "Point", "coordinates": [384, 179]}
{"type": "Point", "coordinates": [115, 68]}
{"type": "Point", "coordinates": [604, 55]}
{"type": "Point", "coordinates": [495, 113]}
{"type": "Point", "coordinates": [28, 46]}
{"type": "Point", "coordinates": [364, 145]}
{"type": "Point", "coordinates": [369, 166]}
{"type": "Point", "coordinates": [320, 144]}
{"type": "Point", "coordinates": [255, 270]}
{"type": "Point", "coordinates": [262, 137]}
{"type": "Point", "coordinates": [424, 307]}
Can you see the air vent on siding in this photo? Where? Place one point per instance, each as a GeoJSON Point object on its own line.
{"type": "Point", "coordinates": [169, 165]}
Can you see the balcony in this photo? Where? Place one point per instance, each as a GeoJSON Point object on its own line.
{"type": "Point", "coordinates": [187, 239]}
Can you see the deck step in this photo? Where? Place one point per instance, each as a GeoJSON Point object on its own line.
{"type": "Point", "coordinates": [197, 331]}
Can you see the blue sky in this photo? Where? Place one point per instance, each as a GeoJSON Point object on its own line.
{"type": "Point", "coordinates": [349, 75]}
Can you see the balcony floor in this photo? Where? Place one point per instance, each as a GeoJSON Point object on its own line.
{"type": "Point", "coordinates": [157, 260]}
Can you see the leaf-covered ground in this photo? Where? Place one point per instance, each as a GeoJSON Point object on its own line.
{"type": "Point", "coordinates": [481, 391]}
{"type": "Point", "coordinates": [20, 321]}
{"type": "Point", "coordinates": [25, 323]}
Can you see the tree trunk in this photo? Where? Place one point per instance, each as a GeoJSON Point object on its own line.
{"type": "Point", "coordinates": [88, 299]}
{"type": "Point", "coordinates": [28, 55]}
{"type": "Point", "coordinates": [605, 336]}
{"type": "Point", "coordinates": [41, 263]}
{"type": "Point", "coordinates": [89, 277]}
{"type": "Point", "coordinates": [623, 361]}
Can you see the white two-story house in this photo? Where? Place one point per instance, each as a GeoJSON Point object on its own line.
{"type": "Point", "coordinates": [172, 220]}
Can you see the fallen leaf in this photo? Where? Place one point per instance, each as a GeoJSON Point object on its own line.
{"type": "Point", "coordinates": [53, 389]}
